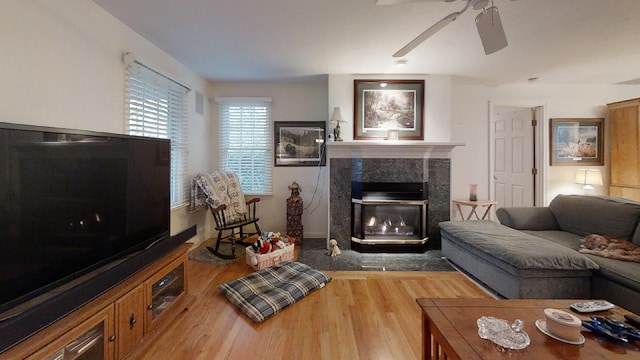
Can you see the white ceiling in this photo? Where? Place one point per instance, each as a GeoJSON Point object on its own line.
{"type": "Point", "coordinates": [559, 41]}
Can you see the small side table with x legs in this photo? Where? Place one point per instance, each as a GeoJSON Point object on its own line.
{"type": "Point", "coordinates": [486, 204]}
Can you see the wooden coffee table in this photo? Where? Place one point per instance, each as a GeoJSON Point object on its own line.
{"type": "Point", "coordinates": [450, 331]}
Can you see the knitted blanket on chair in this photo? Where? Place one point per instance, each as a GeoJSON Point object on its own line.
{"type": "Point", "coordinates": [217, 188]}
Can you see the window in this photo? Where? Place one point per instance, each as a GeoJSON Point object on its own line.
{"type": "Point", "coordinates": [245, 140]}
{"type": "Point", "coordinates": [155, 106]}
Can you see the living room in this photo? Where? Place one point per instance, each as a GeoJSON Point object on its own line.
{"type": "Point", "coordinates": [62, 67]}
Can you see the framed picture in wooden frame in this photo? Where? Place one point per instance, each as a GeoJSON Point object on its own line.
{"type": "Point", "coordinates": [576, 141]}
{"type": "Point", "coordinates": [380, 105]}
{"type": "Point", "coordinates": [299, 143]}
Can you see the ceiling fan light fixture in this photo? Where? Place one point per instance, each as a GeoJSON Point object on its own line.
{"type": "Point", "coordinates": [490, 30]}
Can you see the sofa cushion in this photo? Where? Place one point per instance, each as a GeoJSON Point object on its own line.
{"type": "Point", "coordinates": [527, 218]}
{"type": "Point", "coordinates": [622, 272]}
{"type": "Point", "coordinates": [567, 239]}
{"type": "Point", "coordinates": [584, 215]}
{"type": "Point", "coordinates": [520, 250]}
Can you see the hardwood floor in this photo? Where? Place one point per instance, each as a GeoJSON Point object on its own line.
{"type": "Point", "coordinates": [358, 315]}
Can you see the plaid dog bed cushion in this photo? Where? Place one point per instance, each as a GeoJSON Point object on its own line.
{"type": "Point", "coordinates": [266, 292]}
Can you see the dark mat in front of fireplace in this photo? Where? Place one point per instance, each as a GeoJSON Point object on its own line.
{"type": "Point", "coordinates": [313, 252]}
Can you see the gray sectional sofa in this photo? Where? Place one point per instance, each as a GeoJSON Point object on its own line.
{"type": "Point", "coordinates": [533, 252]}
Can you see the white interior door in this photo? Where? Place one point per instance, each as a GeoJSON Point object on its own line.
{"type": "Point", "coordinates": [514, 155]}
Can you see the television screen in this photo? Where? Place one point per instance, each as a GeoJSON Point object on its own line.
{"type": "Point", "coordinates": [72, 201]}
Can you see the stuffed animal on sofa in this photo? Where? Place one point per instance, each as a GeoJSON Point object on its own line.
{"type": "Point", "coordinates": [334, 250]}
{"type": "Point", "coordinates": [611, 247]}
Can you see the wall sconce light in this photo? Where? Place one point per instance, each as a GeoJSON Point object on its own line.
{"type": "Point", "coordinates": [337, 118]}
{"type": "Point", "coordinates": [588, 178]}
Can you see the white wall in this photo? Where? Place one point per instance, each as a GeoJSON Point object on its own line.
{"type": "Point", "coordinates": [291, 101]}
{"type": "Point", "coordinates": [62, 67]}
{"type": "Point", "coordinates": [470, 124]}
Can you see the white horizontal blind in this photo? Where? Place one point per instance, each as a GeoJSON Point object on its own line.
{"type": "Point", "coordinates": [156, 106]}
{"type": "Point", "coordinates": [245, 140]}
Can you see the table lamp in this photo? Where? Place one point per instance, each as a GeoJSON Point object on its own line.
{"type": "Point", "coordinates": [337, 118]}
{"type": "Point", "coordinates": [588, 178]}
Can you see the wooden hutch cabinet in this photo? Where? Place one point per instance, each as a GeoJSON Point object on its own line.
{"type": "Point", "coordinates": [624, 120]}
{"type": "Point", "coordinates": [114, 325]}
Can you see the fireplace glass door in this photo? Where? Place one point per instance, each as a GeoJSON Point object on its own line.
{"type": "Point", "coordinates": [389, 221]}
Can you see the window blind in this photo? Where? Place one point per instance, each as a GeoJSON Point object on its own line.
{"type": "Point", "coordinates": [156, 106]}
{"type": "Point", "coordinates": [245, 142]}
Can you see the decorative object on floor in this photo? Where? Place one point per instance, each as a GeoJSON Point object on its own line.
{"type": "Point", "coordinates": [337, 118]}
{"type": "Point", "coordinates": [203, 254]}
{"type": "Point", "coordinates": [266, 292]}
{"type": "Point", "coordinates": [299, 143]}
{"type": "Point", "coordinates": [294, 213]}
{"type": "Point", "coordinates": [222, 193]}
{"type": "Point", "coordinates": [388, 104]}
{"type": "Point", "coordinates": [503, 334]}
{"type": "Point", "coordinates": [610, 247]}
{"type": "Point", "coordinates": [473, 192]}
{"type": "Point", "coordinates": [588, 178]}
{"type": "Point", "coordinates": [334, 250]}
{"type": "Point", "coordinates": [268, 250]}
{"type": "Point", "coordinates": [577, 142]}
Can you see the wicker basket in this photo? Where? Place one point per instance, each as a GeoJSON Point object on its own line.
{"type": "Point", "coordinates": [270, 258]}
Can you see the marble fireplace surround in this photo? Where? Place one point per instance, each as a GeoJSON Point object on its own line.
{"type": "Point", "coordinates": [388, 161]}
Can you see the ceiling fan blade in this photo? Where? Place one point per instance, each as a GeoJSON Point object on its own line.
{"type": "Point", "coordinates": [490, 30]}
{"type": "Point", "coordinates": [427, 34]}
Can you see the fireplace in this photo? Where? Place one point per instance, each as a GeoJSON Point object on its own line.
{"type": "Point", "coordinates": [389, 217]}
{"type": "Point", "coordinates": [370, 161]}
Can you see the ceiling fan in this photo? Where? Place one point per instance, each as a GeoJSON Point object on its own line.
{"type": "Point", "coordinates": [488, 23]}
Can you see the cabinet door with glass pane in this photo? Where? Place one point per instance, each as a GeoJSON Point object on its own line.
{"type": "Point", "coordinates": [91, 340]}
{"type": "Point", "coordinates": [165, 290]}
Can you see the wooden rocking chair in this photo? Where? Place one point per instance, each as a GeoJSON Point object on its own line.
{"type": "Point", "coordinates": [237, 225]}
{"type": "Point", "coordinates": [221, 192]}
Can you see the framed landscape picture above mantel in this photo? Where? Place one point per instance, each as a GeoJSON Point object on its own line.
{"type": "Point", "coordinates": [577, 141]}
{"type": "Point", "coordinates": [380, 105]}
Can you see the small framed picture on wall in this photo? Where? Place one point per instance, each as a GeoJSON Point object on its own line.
{"type": "Point", "coordinates": [576, 141]}
{"type": "Point", "coordinates": [299, 143]}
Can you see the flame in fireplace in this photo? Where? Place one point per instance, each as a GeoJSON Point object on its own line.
{"type": "Point", "coordinates": [372, 221]}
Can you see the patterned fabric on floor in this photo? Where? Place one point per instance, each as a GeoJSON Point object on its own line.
{"type": "Point", "coordinates": [266, 292]}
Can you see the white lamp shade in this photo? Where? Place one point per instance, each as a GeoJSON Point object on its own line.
{"type": "Point", "coordinates": [337, 115]}
{"type": "Point", "coordinates": [589, 177]}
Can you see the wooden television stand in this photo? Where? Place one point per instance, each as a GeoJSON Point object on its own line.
{"type": "Point", "coordinates": [114, 324]}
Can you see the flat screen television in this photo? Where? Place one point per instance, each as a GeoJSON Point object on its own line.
{"type": "Point", "coordinates": [72, 201]}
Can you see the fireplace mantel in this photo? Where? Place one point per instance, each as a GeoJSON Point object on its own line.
{"type": "Point", "coordinates": [400, 149]}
